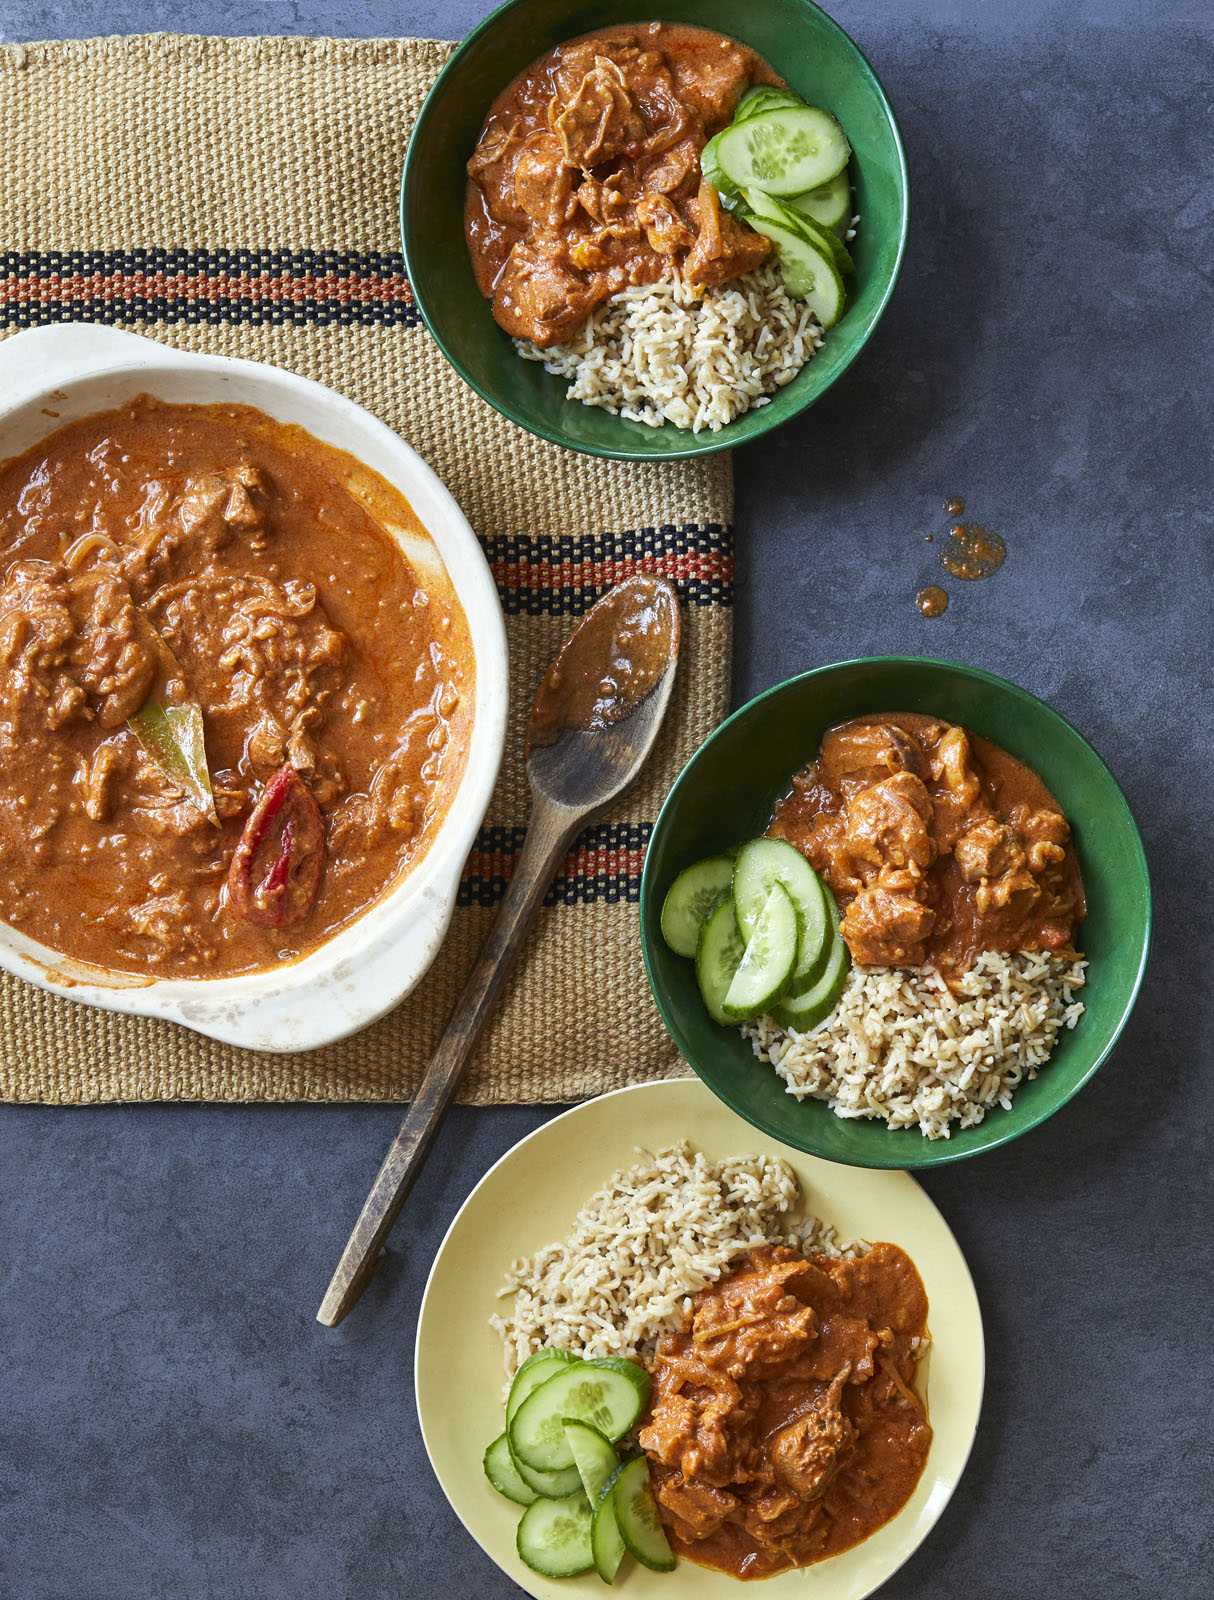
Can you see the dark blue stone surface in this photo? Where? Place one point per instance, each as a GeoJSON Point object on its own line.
{"type": "Point", "coordinates": [172, 1420]}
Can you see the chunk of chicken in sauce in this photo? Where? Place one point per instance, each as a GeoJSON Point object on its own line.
{"type": "Point", "coordinates": [935, 843]}
{"type": "Point", "coordinates": [784, 1425]}
{"type": "Point", "coordinates": [586, 177]}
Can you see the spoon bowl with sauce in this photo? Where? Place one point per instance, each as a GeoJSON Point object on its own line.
{"type": "Point", "coordinates": [594, 720]}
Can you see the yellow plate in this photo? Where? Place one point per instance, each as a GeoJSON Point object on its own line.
{"type": "Point", "coordinates": [530, 1198]}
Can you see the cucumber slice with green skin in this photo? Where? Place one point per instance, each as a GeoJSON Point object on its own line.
{"type": "Point", "coordinates": [784, 151]}
{"type": "Point", "coordinates": [593, 1457]}
{"type": "Point", "coordinates": [711, 169]}
{"type": "Point", "coordinates": [809, 272]}
{"type": "Point", "coordinates": [554, 1536]}
{"type": "Point", "coordinates": [606, 1542]}
{"type": "Point", "coordinates": [718, 957]}
{"type": "Point", "coordinates": [827, 240]}
{"type": "Point", "coordinates": [768, 960]}
{"type": "Point", "coordinates": [609, 1394]}
{"type": "Point", "coordinates": [829, 205]}
{"type": "Point", "coordinates": [503, 1475]}
{"type": "Point", "coordinates": [693, 894]}
{"type": "Point", "coordinates": [636, 1512]}
{"type": "Point", "coordinates": [782, 214]}
{"type": "Point", "coordinates": [538, 1368]}
{"type": "Point", "coordinates": [549, 1485]}
{"type": "Point", "coordinates": [765, 862]}
{"type": "Point", "coordinates": [798, 1013]}
{"type": "Point", "coordinates": [764, 97]}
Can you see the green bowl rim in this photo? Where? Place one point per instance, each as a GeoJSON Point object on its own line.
{"type": "Point", "coordinates": [699, 444]}
{"type": "Point", "coordinates": [928, 1153]}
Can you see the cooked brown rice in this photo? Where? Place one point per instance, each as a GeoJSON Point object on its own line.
{"type": "Point", "coordinates": [667, 352]}
{"type": "Point", "coordinates": [643, 1244]}
{"type": "Point", "coordinates": [902, 1046]}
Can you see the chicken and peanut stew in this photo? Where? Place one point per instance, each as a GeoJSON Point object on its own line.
{"type": "Point", "coordinates": [656, 217]}
{"type": "Point", "coordinates": [586, 178]}
{"type": "Point", "coordinates": [785, 1426]}
{"type": "Point", "coordinates": [701, 1368]}
{"type": "Point", "coordinates": [901, 943]}
{"type": "Point", "coordinates": [935, 843]}
{"type": "Point", "coordinates": [232, 713]}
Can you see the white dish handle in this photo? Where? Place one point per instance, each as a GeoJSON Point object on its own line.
{"type": "Point", "coordinates": [42, 358]}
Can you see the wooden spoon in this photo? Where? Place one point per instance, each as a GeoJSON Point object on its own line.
{"type": "Point", "coordinates": [593, 722]}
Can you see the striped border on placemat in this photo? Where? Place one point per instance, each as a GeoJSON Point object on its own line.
{"type": "Point", "coordinates": [314, 288]}
{"type": "Point", "coordinates": [544, 576]}
{"type": "Point", "coordinates": [604, 865]}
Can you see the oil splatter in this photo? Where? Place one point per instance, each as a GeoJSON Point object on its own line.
{"type": "Point", "coordinates": [954, 506]}
{"type": "Point", "coordinates": [932, 602]}
{"type": "Point", "coordinates": [973, 552]}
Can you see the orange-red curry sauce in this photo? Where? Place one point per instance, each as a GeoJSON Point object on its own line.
{"type": "Point", "coordinates": [936, 843]}
{"type": "Point", "coordinates": [218, 559]}
{"type": "Point", "coordinates": [586, 177]}
{"type": "Point", "coordinates": [785, 1425]}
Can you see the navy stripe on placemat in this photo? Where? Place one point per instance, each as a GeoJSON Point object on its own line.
{"type": "Point", "coordinates": [307, 288]}
{"type": "Point", "coordinates": [603, 865]}
{"type": "Point", "coordinates": [564, 575]}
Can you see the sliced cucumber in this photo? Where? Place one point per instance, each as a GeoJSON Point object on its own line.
{"type": "Point", "coordinates": [538, 1368]}
{"type": "Point", "coordinates": [636, 1512]}
{"type": "Point", "coordinates": [770, 209]}
{"type": "Point", "coordinates": [551, 1485]}
{"type": "Point", "coordinates": [693, 894]}
{"type": "Point", "coordinates": [606, 1542]}
{"type": "Point", "coordinates": [800, 1012]}
{"type": "Point", "coordinates": [784, 151]}
{"type": "Point", "coordinates": [503, 1474]}
{"type": "Point", "coordinates": [809, 270]}
{"type": "Point", "coordinates": [593, 1457]}
{"type": "Point", "coordinates": [714, 173]}
{"type": "Point", "coordinates": [829, 205]}
{"type": "Point", "coordinates": [554, 1536]}
{"type": "Point", "coordinates": [767, 962]}
{"type": "Point", "coordinates": [822, 237]}
{"type": "Point", "coordinates": [718, 957]}
{"type": "Point", "coordinates": [765, 862]}
{"type": "Point", "coordinates": [764, 97]}
{"type": "Point", "coordinates": [609, 1394]}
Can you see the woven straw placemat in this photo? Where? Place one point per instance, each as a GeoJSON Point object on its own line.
{"type": "Point", "coordinates": [239, 196]}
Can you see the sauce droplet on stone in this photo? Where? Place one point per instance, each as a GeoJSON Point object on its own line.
{"type": "Point", "coordinates": [932, 602]}
{"type": "Point", "coordinates": [973, 552]}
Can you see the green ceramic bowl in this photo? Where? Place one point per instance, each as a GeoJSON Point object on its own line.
{"type": "Point", "coordinates": [726, 793]}
{"type": "Point", "coordinates": [802, 43]}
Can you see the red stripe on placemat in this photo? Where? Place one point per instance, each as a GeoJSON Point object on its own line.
{"type": "Point", "coordinates": [710, 566]}
{"type": "Point", "coordinates": [603, 862]}
{"type": "Point", "coordinates": [274, 288]}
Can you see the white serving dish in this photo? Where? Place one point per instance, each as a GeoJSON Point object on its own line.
{"type": "Point", "coordinates": [75, 369]}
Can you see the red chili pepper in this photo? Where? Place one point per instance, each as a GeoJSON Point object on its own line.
{"type": "Point", "coordinates": [287, 888]}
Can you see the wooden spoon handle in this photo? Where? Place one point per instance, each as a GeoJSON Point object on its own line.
{"type": "Point", "coordinates": [548, 836]}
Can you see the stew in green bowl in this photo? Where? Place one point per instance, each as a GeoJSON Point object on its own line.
{"type": "Point", "coordinates": [803, 45]}
{"type": "Point", "coordinates": [725, 795]}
